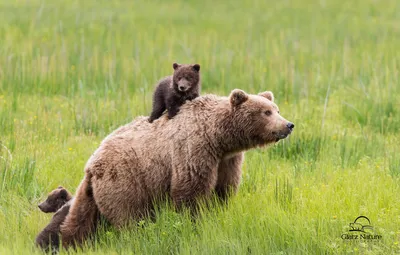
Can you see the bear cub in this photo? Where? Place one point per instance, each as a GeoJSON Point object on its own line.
{"type": "Point", "coordinates": [58, 201]}
{"type": "Point", "coordinates": [55, 200]}
{"type": "Point", "coordinates": [172, 91]}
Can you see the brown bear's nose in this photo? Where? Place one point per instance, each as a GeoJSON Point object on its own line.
{"type": "Point", "coordinates": [290, 125]}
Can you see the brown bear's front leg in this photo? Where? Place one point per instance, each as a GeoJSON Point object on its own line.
{"type": "Point", "coordinates": [158, 107]}
{"type": "Point", "coordinates": [173, 111]}
{"type": "Point", "coordinates": [229, 175]}
{"type": "Point", "coordinates": [190, 185]}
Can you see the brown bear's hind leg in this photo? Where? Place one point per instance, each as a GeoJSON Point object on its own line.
{"type": "Point", "coordinates": [82, 218]}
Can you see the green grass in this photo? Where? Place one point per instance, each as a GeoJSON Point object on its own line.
{"type": "Point", "coordinates": [73, 71]}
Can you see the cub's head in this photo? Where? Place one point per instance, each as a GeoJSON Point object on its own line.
{"type": "Point", "coordinates": [55, 200]}
{"type": "Point", "coordinates": [186, 78]}
{"type": "Point", "coordinates": [257, 118]}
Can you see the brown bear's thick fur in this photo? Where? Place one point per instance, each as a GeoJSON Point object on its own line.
{"type": "Point", "coordinates": [187, 157]}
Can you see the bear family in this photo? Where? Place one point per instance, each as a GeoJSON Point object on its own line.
{"type": "Point", "coordinates": [172, 91]}
{"type": "Point", "coordinates": [58, 201]}
{"type": "Point", "coordinates": [198, 152]}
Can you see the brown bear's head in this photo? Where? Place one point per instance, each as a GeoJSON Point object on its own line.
{"type": "Point", "coordinates": [186, 78]}
{"type": "Point", "coordinates": [257, 119]}
{"type": "Point", "coordinates": [55, 200]}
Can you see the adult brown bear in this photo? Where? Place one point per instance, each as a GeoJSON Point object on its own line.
{"type": "Point", "coordinates": [187, 157]}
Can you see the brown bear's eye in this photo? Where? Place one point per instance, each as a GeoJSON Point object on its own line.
{"type": "Point", "coordinates": [268, 112]}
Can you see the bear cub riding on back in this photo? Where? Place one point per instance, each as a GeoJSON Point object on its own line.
{"type": "Point", "coordinates": [173, 91]}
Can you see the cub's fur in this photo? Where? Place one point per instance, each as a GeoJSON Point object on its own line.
{"type": "Point", "coordinates": [55, 200]}
{"type": "Point", "coordinates": [172, 91]}
{"type": "Point", "coordinates": [59, 201]}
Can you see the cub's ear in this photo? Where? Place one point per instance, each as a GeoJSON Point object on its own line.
{"type": "Point", "coordinates": [196, 67]}
{"type": "Point", "coordinates": [63, 193]}
{"type": "Point", "coordinates": [175, 66]}
{"type": "Point", "coordinates": [238, 97]}
{"type": "Point", "coordinates": [268, 95]}
{"type": "Point", "coordinates": [60, 187]}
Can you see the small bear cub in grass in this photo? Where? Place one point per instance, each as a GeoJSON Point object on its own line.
{"type": "Point", "coordinates": [58, 201]}
{"type": "Point", "coordinates": [55, 200]}
{"type": "Point", "coordinates": [172, 91]}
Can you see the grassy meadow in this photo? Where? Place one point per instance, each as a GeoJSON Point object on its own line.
{"type": "Point", "coordinates": [73, 71]}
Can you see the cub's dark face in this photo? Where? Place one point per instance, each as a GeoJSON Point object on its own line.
{"type": "Point", "coordinates": [55, 200]}
{"type": "Point", "coordinates": [186, 78]}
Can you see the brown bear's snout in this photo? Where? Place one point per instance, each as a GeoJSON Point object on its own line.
{"type": "Point", "coordinates": [285, 130]}
{"type": "Point", "coordinates": [42, 207]}
{"type": "Point", "coordinates": [183, 85]}
{"type": "Point", "coordinates": [290, 126]}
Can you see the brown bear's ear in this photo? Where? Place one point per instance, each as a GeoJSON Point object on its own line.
{"type": "Point", "coordinates": [196, 67]}
{"type": "Point", "coordinates": [63, 193]}
{"type": "Point", "coordinates": [60, 187]}
{"type": "Point", "coordinates": [268, 95]}
{"type": "Point", "coordinates": [238, 97]}
{"type": "Point", "coordinates": [175, 65]}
